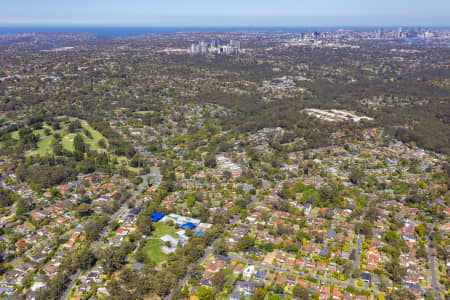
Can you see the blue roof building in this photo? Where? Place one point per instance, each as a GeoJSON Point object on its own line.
{"type": "Point", "coordinates": [188, 225]}
{"type": "Point", "coordinates": [157, 216]}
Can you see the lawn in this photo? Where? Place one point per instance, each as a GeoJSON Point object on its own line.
{"type": "Point", "coordinates": [45, 142]}
{"type": "Point", "coordinates": [96, 136]}
{"type": "Point", "coordinates": [44, 146]}
{"type": "Point", "coordinates": [15, 135]}
{"type": "Point", "coordinates": [315, 211]}
{"type": "Point", "coordinates": [67, 140]}
{"type": "Point", "coordinates": [368, 69]}
{"type": "Point", "coordinates": [143, 112]}
{"type": "Point", "coordinates": [153, 245]}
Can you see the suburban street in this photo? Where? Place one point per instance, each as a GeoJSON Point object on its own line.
{"type": "Point", "coordinates": [209, 250]}
{"type": "Point", "coordinates": [431, 262]}
{"type": "Point", "coordinates": [122, 209]}
{"type": "Point", "coordinates": [235, 220]}
{"type": "Point", "coordinates": [358, 248]}
{"type": "Point", "coordinates": [300, 150]}
{"type": "Point", "coordinates": [286, 271]}
{"type": "Point", "coordinates": [106, 229]}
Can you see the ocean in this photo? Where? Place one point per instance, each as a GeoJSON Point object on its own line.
{"type": "Point", "coordinates": [132, 31]}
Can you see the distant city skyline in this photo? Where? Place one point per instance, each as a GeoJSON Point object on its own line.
{"type": "Point", "coordinates": [248, 13]}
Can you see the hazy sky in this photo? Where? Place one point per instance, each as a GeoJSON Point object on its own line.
{"type": "Point", "coordinates": [226, 12]}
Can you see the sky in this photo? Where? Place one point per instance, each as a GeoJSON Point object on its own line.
{"type": "Point", "coordinates": [226, 13]}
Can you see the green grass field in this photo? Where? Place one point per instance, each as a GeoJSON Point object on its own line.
{"type": "Point", "coordinates": [368, 69]}
{"type": "Point", "coordinates": [153, 245]}
{"type": "Point", "coordinates": [96, 136]}
{"type": "Point", "coordinates": [67, 140]}
{"type": "Point", "coordinates": [377, 70]}
{"type": "Point", "coordinates": [44, 146]}
{"type": "Point", "coordinates": [143, 112]}
{"type": "Point", "coordinates": [315, 211]}
{"type": "Point", "coordinates": [45, 142]}
{"type": "Point", "coordinates": [15, 135]}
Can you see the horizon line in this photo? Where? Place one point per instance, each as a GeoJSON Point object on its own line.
{"type": "Point", "coordinates": [217, 26]}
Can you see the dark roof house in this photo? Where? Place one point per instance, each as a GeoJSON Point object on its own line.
{"type": "Point", "coordinates": [324, 251]}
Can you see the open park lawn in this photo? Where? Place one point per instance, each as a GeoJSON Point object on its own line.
{"type": "Point", "coordinates": [153, 245]}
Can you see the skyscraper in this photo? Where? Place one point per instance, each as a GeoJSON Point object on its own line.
{"type": "Point", "coordinates": [193, 48]}
{"type": "Point", "coordinates": [236, 45]}
{"type": "Point", "coordinates": [218, 42]}
{"type": "Point", "coordinates": [203, 46]}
